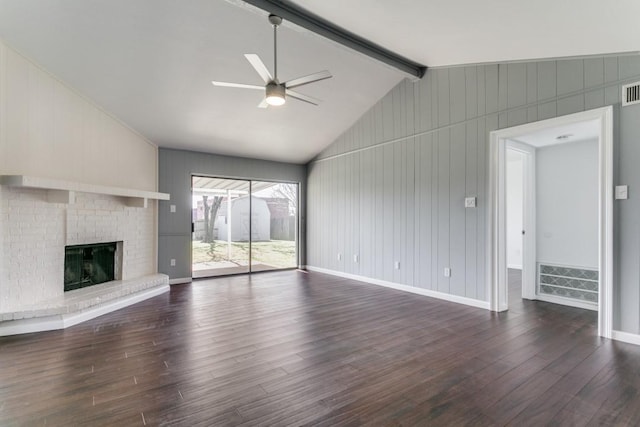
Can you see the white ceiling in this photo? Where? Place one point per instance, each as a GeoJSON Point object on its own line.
{"type": "Point", "coordinates": [439, 33]}
{"type": "Point", "coordinates": [150, 62]}
{"type": "Point", "coordinates": [574, 132]}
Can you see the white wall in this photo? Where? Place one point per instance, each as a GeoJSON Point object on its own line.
{"type": "Point", "coordinates": [567, 204]}
{"type": "Point", "coordinates": [49, 130]}
{"type": "Point", "coordinates": [515, 193]}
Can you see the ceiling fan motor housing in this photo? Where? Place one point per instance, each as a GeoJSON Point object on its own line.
{"type": "Point", "coordinates": [275, 20]}
{"type": "Point", "coordinates": [275, 91]}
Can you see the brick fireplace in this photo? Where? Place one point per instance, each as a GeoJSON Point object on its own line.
{"type": "Point", "coordinates": [35, 232]}
{"type": "Point", "coordinates": [70, 174]}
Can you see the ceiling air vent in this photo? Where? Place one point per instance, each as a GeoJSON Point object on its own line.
{"type": "Point", "coordinates": [631, 94]}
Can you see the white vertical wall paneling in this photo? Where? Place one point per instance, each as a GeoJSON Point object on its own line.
{"type": "Point", "coordinates": [435, 214]}
{"type": "Point", "coordinates": [503, 87]}
{"type": "Point", "coordinates": [424, 147]}
{"type": "Point", "coordinates": [388, 222]}
{"type": "Point", "coordinates": [444, 99]}
{"type": "Point", "coordinates": [628, 225]}
{"type": "Point", "coordinates": [457, 94]}
{"type": "Point", "coordinates": [364, 220]}
{"type": "Point", "coordinates": [354, 221]}
{"type": "Point", "coordinates": [444, 210]}
{"type": "Point", "coordinates": [337, 210]}
{"type": "Point", "coordinates": [416, 253]}
{"type": "Point", "coordinates": [424, 115]}
{"type": "Point", "coordinates": [471, 214]}
{"type": "Point", "coordinates": [397, 211]}
{"type": "Point", "coordinates": [481, 212]}
{"type": "Point", "coordinates": [426, 212]}
{"type": "Point", "coordinates": [404, 205]}
{"type": "Point", "coordinates": [346, 207]}
{"type": "Point", "coordinates": [516, 91]}
{"type": "Point", "coordinates": [457, 211]}
{"type": "Point", "coordinates": [482, 83]}
{"type": "Point", "coordinates": [491, 88]}
{"type": "Point", "coordinates": [378, 231]}
{"type": "Point", "coordinates": [411, 230]}
{"type": "Point", "coordinates": [471, 91]}
{"type": "Point", "coordinates": [396, 115]}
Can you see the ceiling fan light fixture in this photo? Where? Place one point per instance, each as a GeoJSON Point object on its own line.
{"type": "Point", "coordinates": [275, 94]}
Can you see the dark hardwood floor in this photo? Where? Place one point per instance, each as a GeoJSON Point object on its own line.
{"type": "Point", "coordinates": [294, 348]}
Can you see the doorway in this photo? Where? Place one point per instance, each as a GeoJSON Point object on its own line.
{"type": "Point", "coordinates": [243, 226]}
{"type": "Point", "coordinates": [498, 271]}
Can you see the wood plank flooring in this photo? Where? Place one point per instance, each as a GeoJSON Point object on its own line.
{"type": "Point", "coordinates": [294, 348]}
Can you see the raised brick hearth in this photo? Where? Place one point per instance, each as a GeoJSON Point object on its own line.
{"type": "Point", "coordinates": [35, 232]}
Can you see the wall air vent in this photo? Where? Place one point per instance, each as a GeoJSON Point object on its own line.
{"type": "Point", "coordinates": [631, 94]}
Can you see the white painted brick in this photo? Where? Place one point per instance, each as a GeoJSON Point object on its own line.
{"type": "Point", "coordinates": [34, 233]}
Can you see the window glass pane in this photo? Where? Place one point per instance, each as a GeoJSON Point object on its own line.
{"type": "Point", "coordinates": [274, 225]}
{"type": "Point", "coordinates": [220, 215]}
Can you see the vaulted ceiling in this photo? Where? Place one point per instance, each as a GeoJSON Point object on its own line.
{"type": "Point", "coordinates": [150, 62]}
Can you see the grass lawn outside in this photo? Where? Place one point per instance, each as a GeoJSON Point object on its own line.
{"type": "Point", "coordinates": [276, 253]}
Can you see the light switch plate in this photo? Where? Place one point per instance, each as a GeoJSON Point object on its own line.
{"type": "Point", "coordinates": [622, 192]}
{"type": "Point", "coordinates": [172, 208]}
{"type": "Point", "coordinates": [447, 272]}
{"type": "Point", "coordinates": [470, 202]}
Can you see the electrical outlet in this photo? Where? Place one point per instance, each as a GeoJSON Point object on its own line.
{"type": "Point", "coordinates": [447, 272]}
{"type": "Point", "coordinates": [173, 262]}
{"type": "Point", "coordinates": [356, 259]}
{"type": "Point", "coordinates": [339, 256]}
{"type": "Point", "coordinates": [396, 265]}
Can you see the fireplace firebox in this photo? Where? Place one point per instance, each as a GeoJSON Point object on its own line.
{"type": "Point", "coordinates": [92, 264]}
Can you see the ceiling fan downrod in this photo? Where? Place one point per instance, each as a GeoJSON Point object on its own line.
{"type": "Point", "coordinates": [275, 20]}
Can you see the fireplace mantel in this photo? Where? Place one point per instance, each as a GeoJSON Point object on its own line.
{"type": "Point", "coordinates": [59, 191]}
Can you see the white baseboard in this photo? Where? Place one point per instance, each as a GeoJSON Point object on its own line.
{"type": "Point", "coordinates": [180, 280]}
{"type": "Point", "coordinates": [50, 323]}
{"type": "Point", "coordinates": [514, 266]}
{"type": "Point", "coordinates": [625, 337]}
{"type": "Point", "coordinates": [425, 292]}
{"type": "Point", "coordinates": [567, 301]}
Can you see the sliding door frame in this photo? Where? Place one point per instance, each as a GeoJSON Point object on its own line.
{"type": "Point", "coordinates": [250, 240]}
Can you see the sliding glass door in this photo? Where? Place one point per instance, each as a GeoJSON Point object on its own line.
{"type": "Point", "coordinates": [220, 241]}
{"type": "Point", "coordinates": [275, 210]}
{"type": "Point", "coordinates": [240, 226]}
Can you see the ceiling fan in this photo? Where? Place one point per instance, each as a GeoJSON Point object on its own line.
{"type": "Point", "coordinates": [276, 92]}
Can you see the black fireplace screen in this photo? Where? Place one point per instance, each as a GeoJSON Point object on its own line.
{"type": "Point", "coordinates": [87, 265]}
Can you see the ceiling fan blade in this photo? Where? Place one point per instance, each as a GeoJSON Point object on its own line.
{"type": "Point", "coordinates": [322, 75]}
{"type": "Point", "coordinates": [301, 97]}
{"type": "Point", "coordinates": [263, 104]}
{"type": "Point", "coordinates": [259, 66]}
{"type": "Point", "coordinates": [238, 85]}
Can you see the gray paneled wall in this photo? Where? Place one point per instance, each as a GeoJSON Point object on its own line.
{"type": "Point", "coordinates": [392, 187]}
{"type": "Point", "coordinates": [175, 170]}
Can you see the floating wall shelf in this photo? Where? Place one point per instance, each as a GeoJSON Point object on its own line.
{"type": "Point", "coordinates": [65, 191]}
